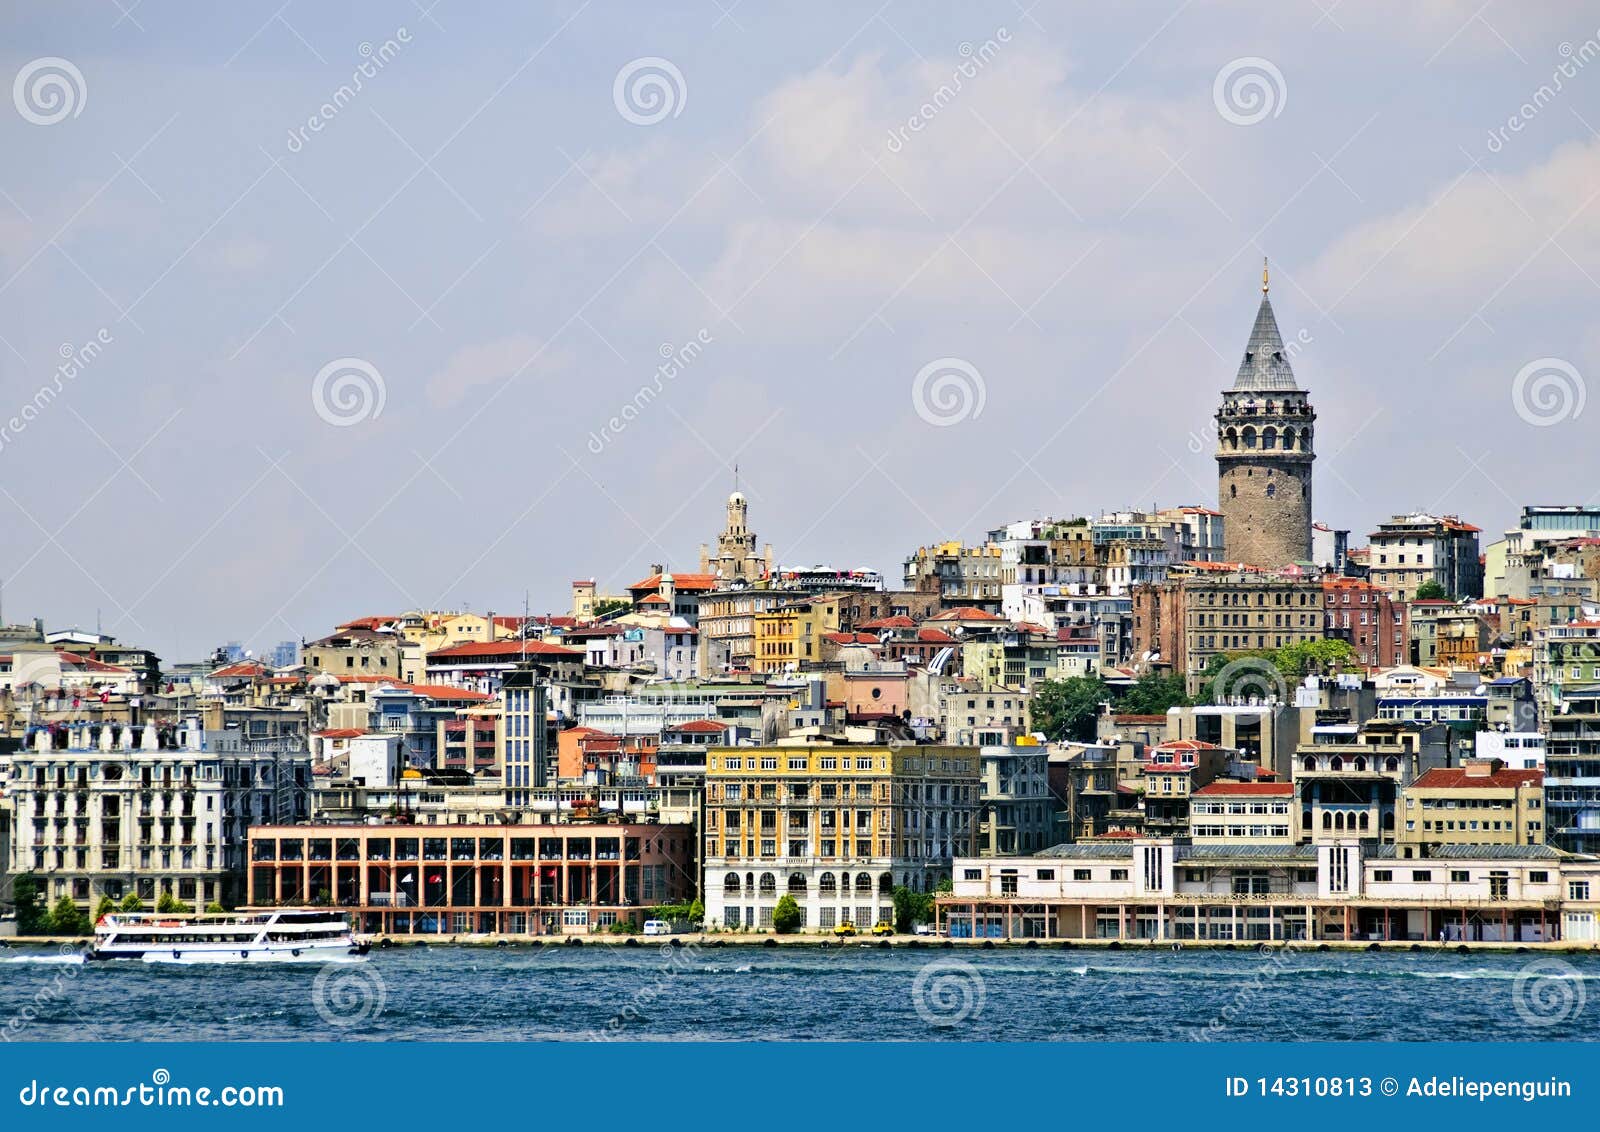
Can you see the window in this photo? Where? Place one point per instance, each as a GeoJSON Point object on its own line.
{"type": "Point", "coordinates": [1422, 874]}
{"type": "Point", "coordinates": [971, 874]}
{"type": "Point", "coordinates": [1119, 874]}
{"type": "Point", "coordinates": [1080, 874]}
{"type": "Point", "coordinates": [1459, 876]}
{"type": "Point", "coordinates": [1538, 876]}
{"type": "Point", "coordinates": [1578, 890]}
{"type": "Point", "coordinates": [1046, 874]}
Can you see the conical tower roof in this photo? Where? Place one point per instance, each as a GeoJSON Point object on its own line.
{"type": "Point", "coordinates": [1266, 366]}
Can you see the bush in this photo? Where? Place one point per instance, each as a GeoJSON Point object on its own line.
{"type": "Point", "coordinates": [31, 915]}
{"type": "Point", "coordinates": [215, 909]}
{"type": "Point", "coordinates": [131, 903]}
{"type": "Point", "coordinates": [786, 916]}
{"type": "Point", "coordinates": [104, 908]}
{"type": "Point", "coordinates": [170, 904]}
{"type": "Point", "coordinates": [66, 919]}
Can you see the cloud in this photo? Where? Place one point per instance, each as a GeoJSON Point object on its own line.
{"type": "Point", "coordinates": [1477, 239]}
{"type": "Point", "coordinates": [491, 363]}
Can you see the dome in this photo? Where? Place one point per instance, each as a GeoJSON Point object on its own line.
{"type": "Point", "coordinates": [737, 497]}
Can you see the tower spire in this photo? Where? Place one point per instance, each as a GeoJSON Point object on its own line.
{"type": "Point", "coordinates": [1263, 275]}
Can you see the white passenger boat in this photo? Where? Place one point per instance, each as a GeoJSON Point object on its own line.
{"type": "Point", "coordinates": [303, 935]}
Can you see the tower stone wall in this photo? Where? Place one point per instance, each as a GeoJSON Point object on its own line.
{"type": "Point", "coordinates": [1265, 452]}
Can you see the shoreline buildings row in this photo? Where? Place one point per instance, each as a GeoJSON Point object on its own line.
{"type": "Point", "coordinates": [748, 734]}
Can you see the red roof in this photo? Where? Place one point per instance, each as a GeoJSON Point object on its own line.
{"type": "Point", "coordinates": [1273, 789]}
{"type": "Point", "coordinates": [700, 727]}
{"type": "Point", "coordinates": [367, 623]}
{"type": "Point", "coordinates": [1186, 745]}
{"type": "Point", "coordinates": [501, 650]}
{"type": "Point", "coordinates": [654, 599]}
{"type": "Point", "coordinates": [1452, 778]}
{"type": "Point", "coordinates": [935, 636]}
{"type": "Point", "coordinates": [967, 613]}
{"type": "Point", "coordinates": [850, 638]}
{"type": "Point", "coordinates": [446, 692]}
{"type": "Point", "coordinates": [683, 583]}
{"type": "Point", "coordinates": [342, 732]}
{"type": "Point", "coordinates": [243, 668]}
{"type": "Point", "coordinates": [898, 621]}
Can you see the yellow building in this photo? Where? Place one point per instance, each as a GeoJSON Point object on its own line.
{"type": "Point", "coordinates": [790, 635]}
{"type": "Point", "coordinates": [1481, 803]}
{"type": "Point", "coordinates": [836, 827]}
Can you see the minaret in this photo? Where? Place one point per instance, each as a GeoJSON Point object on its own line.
{"type": "Point", "coordinates": [1265, 453]}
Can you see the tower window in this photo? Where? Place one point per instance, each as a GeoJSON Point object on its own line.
{"type": "Point", "coordinates": [1233, 491]}
{"type": "Point", "coordinates": [1272, 490]}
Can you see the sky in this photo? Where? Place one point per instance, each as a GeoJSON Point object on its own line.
{"type": "Point", "coordinates": [310, 311]}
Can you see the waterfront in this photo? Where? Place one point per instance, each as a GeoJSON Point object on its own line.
{"type": "Point", "coordinates": [852, 993]}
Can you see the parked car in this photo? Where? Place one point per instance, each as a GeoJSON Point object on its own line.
{"type": "Point", "coordinates": [657, 927]}
{"type": "Point", "coordinates": [844, 929]}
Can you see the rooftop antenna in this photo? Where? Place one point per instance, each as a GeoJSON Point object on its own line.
{"type": "Point", "coordinates": [736, 475]}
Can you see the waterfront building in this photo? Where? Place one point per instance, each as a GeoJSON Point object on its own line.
{"type": "Point", "coordinates": [1016, 813]}
{"type": "Point", "coordinates": [1243, 813]}
{"type": "Point", "coordinates": [1160, 889]}
{"type": "Point", "coordinates": [835, 827]}
{"type": "Point", "coordinates": [100, 810]}
{"type": "Point", "coordinates": [533, 879]}
{"type": "Point", "coordinates": [1480, 803]}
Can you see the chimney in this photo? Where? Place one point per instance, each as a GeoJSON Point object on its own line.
{"type": "Point", "coordinates": [1483, 768]}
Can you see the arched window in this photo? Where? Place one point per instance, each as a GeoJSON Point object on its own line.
{"type": "Point", "coordinates": [797, 883]}
{"type": "Point", "coordinates": [1272, 490]}
{"type": "Point", "coordinates": [1232, 436]}
{"type": "Point", "coordinates": [1336, 763]}
{"type": "Point", "coordinates": [1327, 820]}
{"type": "Point", "coordinates": [1249, 436]}
{"type": "Point", "coordinates": [1308, 763]}
{"type": "Point", "coordinates": [1233, 491]}
{"type": "Point", "coordinates": [863, 882]}
{"type": "Point", "coordinates": [769, 884]}
{"type": "Point", "coordinates": [1288, 439]}
{"type": "Point", "coordinates": [886, 883]}
{"type": "Point", "coordinates": [1269, 437]}
{"type": "Point", "coordinates": [826, 883]}
{"type": "Point", "coordinates": [1365, 819]}
{"type": "Point", "coordinates": [1338, 820]}
{"type": "Point", "coordinates": [1272, 407]}
{"type": "Point", "coordinates": [730, 884]}
{"type": "Point", "coordinates": [1392, 765]}
{"type": "Point", "coordinates": [749, 882]}
{"type": "Point", "coordinates": [1360, 762]}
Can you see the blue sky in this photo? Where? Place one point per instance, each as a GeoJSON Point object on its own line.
{"type": "Point", "coordinates": [508, 247]}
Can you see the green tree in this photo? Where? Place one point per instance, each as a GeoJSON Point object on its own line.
{"type": "Point", "coordinates": [169, 904]}
{"type": "Point", "coordinates": [31, 915]}
{"type": "Point", "coordinates": [131, 902]}
{"type": "Point", "coordinates": [215, 909]}
{"type": "Point", "coordinates": [911, 908]}
{"type": "Point", "coordinates": [1066, 709]}
{"type": "Point", "coordinates": [786, 916]}
{"type": "Point", "coordinates": [1152, 694]}
{"type": "Point", "coordinates": [1430, 591]}
{"type": "Point", "coordinates": [609, 605]}
{"type": "Point", "coordinates": [104, 908]}
{"type": "Point", "coordinates": [66, 919]}
{"type": "Point", "coordinates": [1305, 658]}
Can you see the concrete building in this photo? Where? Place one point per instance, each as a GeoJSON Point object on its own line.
{"type": "Point", "coordinates": [1480, 803]}
{"type": "Point", "coordinates": [103, 811]}
{"type": "Point", "coordinates": [1265, 453]}
{"type": "Point", "coordinates": [479, 878]}
{"type": "Point", "coordinates": [1409, 550]}
{"type": "Point", "coordinates": [736, 559]}
{"type": "Point", "coordinates": [1016, 813]}
{"type": "Point", "coordinates": [835, 827]}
